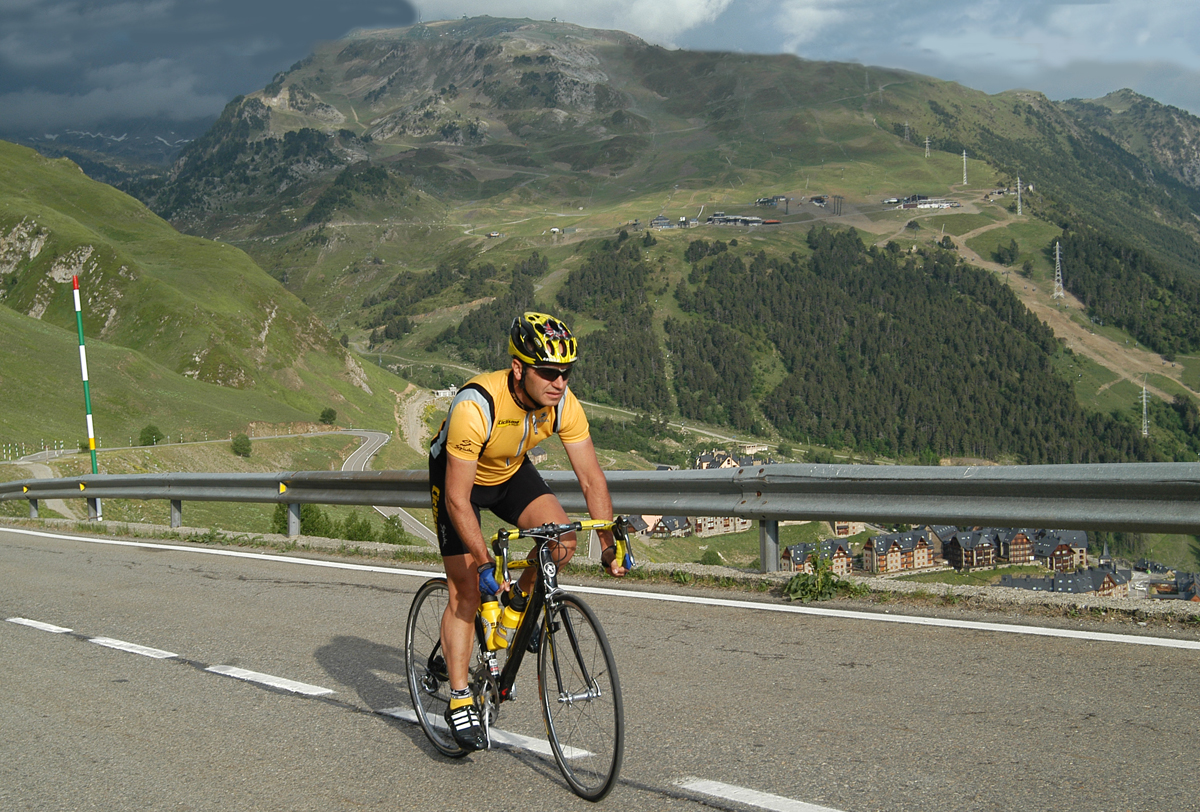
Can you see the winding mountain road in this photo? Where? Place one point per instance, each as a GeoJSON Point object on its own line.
{"type": "Point", "coordinates": [361, 458]}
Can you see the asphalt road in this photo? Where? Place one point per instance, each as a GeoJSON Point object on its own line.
{"type": "Point", "coordinates": [848, 713]}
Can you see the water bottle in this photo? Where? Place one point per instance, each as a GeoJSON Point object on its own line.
{"type": "Point", "coordinates": [510, 618]}
{"type": "Point", "coordinates": [489, 610]}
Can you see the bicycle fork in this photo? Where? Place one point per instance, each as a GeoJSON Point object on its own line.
{"type": "Point", "coordinates": [565, 697]}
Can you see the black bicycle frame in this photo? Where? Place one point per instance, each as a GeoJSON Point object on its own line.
{"type": "Point", "coordinates": [545, 585]}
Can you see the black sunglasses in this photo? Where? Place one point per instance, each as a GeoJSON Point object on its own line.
{"type": "Point", "coordinates": [551, 374]}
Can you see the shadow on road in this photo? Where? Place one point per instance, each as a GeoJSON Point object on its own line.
{"type": "Point", "coordinates": [375, 672]}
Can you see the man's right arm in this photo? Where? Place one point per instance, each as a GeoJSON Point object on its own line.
{"type": "Point", "coordinates": [460, 480]}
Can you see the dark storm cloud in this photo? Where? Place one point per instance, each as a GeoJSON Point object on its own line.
{"type": "Point", "coordinates": [75, 63]}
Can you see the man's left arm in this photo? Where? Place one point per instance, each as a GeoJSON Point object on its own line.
{"type": "Point", "coordinates": [595, 491]}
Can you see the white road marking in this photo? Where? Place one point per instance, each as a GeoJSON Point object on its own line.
{"type": "Point", "coordinates": [973, 625]}
{"type": "Point", "coordinates": [133, 648]}
{"type": "Point", "coordinates": [749, 797]}
{"type": "Point", "coordinates": [159, 654]}
{"type": "Point", "coordinates": [286, 559]}
{"type": "Point", "coordinates": [36, 624]}
{"type": "Point", "coordinates": [267, 679]}
{"type": "Point", "coordinates": [845, 614]}
{"type": "Point", "coordinates": [502, 737]}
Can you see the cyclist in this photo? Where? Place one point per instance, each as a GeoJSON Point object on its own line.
{"type": "Point", "coordinates": [478, 460]}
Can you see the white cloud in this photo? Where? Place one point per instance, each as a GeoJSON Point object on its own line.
{"type": "Point", "coordinates": [1013, 34]}
{"type": "Point", "coordinates": [804, 21]}
{"type": "Point", "coordinates": [1078, 48]}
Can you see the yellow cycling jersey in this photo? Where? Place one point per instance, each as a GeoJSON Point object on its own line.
{"type": "Point", "coordinates": [486, 424]}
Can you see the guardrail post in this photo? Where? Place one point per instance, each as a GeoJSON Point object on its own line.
{"type": "Point", "coordinates": [768, 545]}
{"type": "Point", "coordinates": [93, 509]}
{"type": "Point", "coordinates": [176, 513]}
{"type": "Point", "coordinates": [33, 513]}
{"type": "Point", "coordinates": [293, 527]}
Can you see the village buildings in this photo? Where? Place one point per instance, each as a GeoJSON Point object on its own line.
{"type": "Point", "coordinates": [938, 535]}
{"type": "Point", "coordinates": [671, 527]}
{"type": "Point", "coordinates": [1185, 587]}
{"type": "Point", "coordinates": [799, 557]}
{"type": "Point", "coordinates": [719, 458]}
{"type": "Point", "coordinates": [894, 552]}
{"type": "Point", "coordinates": [1064, 553]}
{"type": "Point", "coordinates": [1016, 546]}
{"type": "Point", "coordinates": [1061, 550]}
{"type": "Point", "coordinates": [970, 549]}
{"type": "Point", "coordinates": [1103, 581]}
{"type": "Point", "coordinates": [705, 526]}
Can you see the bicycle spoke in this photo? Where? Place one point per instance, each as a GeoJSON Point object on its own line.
{"type": "Point", "coordinates": [428, 682]}
{"type": "Point", "coordinates": [581, 700]}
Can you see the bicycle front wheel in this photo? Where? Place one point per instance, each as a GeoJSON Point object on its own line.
{"type": "Point", "coordinates": [581, 699]}
{"type": "Point", "coordinates": [428, 682]}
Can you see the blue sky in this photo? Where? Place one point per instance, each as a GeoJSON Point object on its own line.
{"type": "Point", "coordinates": [73, 63]}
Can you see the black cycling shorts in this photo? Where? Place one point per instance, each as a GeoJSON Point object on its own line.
{"type": "Point", "coordinates": [507, 500]}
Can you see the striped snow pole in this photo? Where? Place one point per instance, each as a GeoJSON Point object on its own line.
{"type": "Point", "coordinates": [87, 391]}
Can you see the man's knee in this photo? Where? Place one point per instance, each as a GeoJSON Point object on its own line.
{"type": "Point", "coordinates": [546, 508]}
{"type": "Point", "coordinates": [464, 583]}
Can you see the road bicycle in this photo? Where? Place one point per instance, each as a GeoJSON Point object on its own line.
{"type": "Point", "coordinates": [577, 675]}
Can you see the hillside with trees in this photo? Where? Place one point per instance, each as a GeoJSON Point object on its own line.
{"type": "Point", "coordinates": [886, 353]}
{"type": "Point", "coordinates": [414, 187]}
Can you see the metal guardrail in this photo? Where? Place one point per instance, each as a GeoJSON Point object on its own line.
{"type": "Point", "coordinates": [1147, 497]}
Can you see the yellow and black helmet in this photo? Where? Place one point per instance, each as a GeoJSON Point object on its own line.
{"type": "Point", "coordinates": [537, 338]}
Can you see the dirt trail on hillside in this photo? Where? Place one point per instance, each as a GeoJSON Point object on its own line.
{"type": "Point", "coordinates": [1129, 363]}
{"type": "Point", "coordinates": [414, 417]}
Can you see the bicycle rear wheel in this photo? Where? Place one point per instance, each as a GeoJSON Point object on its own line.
{"type": "Point", "coordinates": [428, 682]}
{"type": "Point", "coordinates": [581, 699]}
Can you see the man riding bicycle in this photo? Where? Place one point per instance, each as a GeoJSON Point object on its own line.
{"type": "Point", "coordinates": [478, 460]}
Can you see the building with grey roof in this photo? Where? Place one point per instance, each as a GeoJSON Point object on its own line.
{"type": "Point", "coordinates": [1061, 550]}
{"type": "Point", "coordinates": [892, 552]}
{"type": "Point", "coordinates": [1104, 581]}
{"type": "Point", "coordinates": [799, 556]}
{"type": "Point", "coordinates": [970, 549]}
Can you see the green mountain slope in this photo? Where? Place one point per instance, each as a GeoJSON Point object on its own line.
{"type": "Point", "coordinates": [399, 181]}
{"type": "Point", "coordinates": [518, 126]}
{"type": "Point", "coordinates": [201, 308]}
{"type": "Point", "coordinates": [1165, 137]}
{"type": "Point", "coordinates": [41, 394]}
{"type": "Point", "coordinates": [198, 337]}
